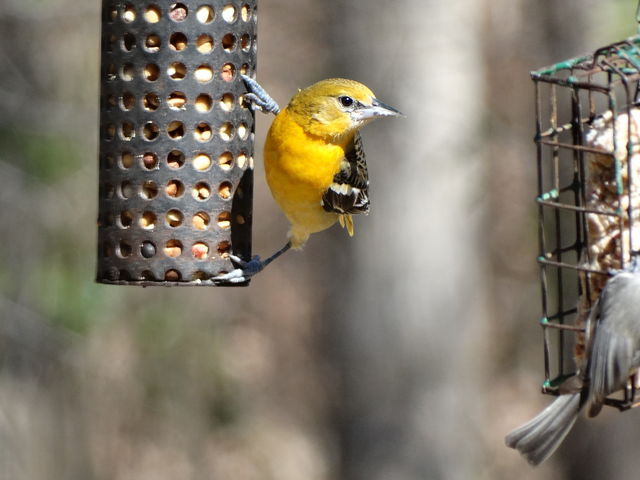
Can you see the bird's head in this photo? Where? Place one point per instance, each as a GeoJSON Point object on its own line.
{"type": "Point", "coordinates": [336, 107]}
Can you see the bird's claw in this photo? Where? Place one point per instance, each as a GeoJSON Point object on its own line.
{"type": "Point", "coordinates": [245, 271]}
{"type": "Point", "coordinates": [259, 98]}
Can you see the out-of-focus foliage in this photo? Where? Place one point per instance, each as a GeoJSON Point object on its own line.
{"type": "Point", "coordinates": [407, 352]}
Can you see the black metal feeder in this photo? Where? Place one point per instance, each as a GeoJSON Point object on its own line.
{"type": "Point", "coordinates": [176, 140]}
{"type": "Point", "coordinates": [588, 146]}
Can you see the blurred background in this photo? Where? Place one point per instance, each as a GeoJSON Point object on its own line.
{"type": "Point", "coordinates": [407, 352]}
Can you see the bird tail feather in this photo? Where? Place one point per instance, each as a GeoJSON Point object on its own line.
{"type": "Point", "coordinates": [537, 439]}
{"type": "Point", "coordinates": [346, 221]}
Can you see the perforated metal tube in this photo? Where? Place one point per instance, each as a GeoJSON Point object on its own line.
{"type": "Point", "coordinates": [176, 140]}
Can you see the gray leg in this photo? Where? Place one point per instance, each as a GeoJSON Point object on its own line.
{"type": "Point", "coordinates": [250, 268]}
{"type": "Point", "coordinates": [259, 97]}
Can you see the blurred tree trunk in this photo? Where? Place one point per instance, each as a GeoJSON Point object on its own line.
{"type": "Point", "coordinates": [409, 330]}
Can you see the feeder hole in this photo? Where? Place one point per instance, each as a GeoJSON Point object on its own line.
{"type": "Point", "coordinates": [125, 219]}
{"type": "Point", "coordinates": [152, 14]}
{"type": "Point", "coordinates": [127, 72]}
{"type": "Point", "coordinates": [226, 102]}
{"type": "Point", "coordinates": [245, 42]}
{"type": "Point", "coordinates": [224, 248]}
{"type": "Point", "coordinates": [240, 219]}
{"type": "Point", "coordinates": [228, 42]}
{"type": "Point", "coordinates": [227, 72]}
{"type": "Point", "coordinates": [175, 130]}
{"type": "Point", "coordinates": [226, 131]}
{"type": "Point", "coordinates": [107, 161]}
{"type": "Point", "coordinates": [175, 159]}
{"type": "Point", "coordinates": [126, 160]}
{"type": "Point", "coordinates": [204, 43]}
{"type": "Point", "coordinates": [107, 249]}
{"type": "Point", "coordinates": [149, 190]}
{"type": "Point", "coordinates": [127, 190]}
{"type": "Point", "coordinates": [200, 250]}
{"type": "Point", "coordinates": [225, 161]}
{"type": "Point", "coordinates": [243, 102]}
{"type": "Point", "coordinates": [243, 131]}
{"type": "Point", "coordinates": [112, 14]}
{"type": "Point", "coordinates": [178, 12]}
{"type": "Point", "coordinates": [150, 160]}
{"type": "Point", "coordinates": [229, 13]}
{"type": "Point", "coordinates": [150, 131]}
{"type": "Point", "coordinates": [124, 275]}
{"type": "Point", "coordinates": [172, 276]}
{"type": "Point", "coordinates": [129, 13]}
{"type": "Point", "coordinates": [177, 71]}
{"type": "Point", "coordinates": [242, 160]}
{"type": "Point", "coordinates": [174, 188]}
{"type": "Point", "coordinates": [111, 42]}
{"type": "Point", "coordinates": [108, 191]}
{"type": "Point", "coordinates": [244, 69]}
{"type": "Point", "coordinates": [147, 220]}
{"type": "Point", "coordinates": [127, 131]}
{"type": "Point", "coordinates": [201, 191]}
{"type": "Point", "coordinates": [178, 41]}
{"type": "Point", "coordinates": [152, 43]}
{"type": "Point", "coordinates": [147, 249]}
{"type": "Point", "coordinates": [245, 13]}
{"type": "Point", "coordinates": [203, 74]}
{"type": "Point", "coordinates": [151, 102]}
{"type": "Point", "coordinates": [174, 218]}
{"type": "Point", "coordinates": [147, 275]}
{"type": "Point", "coordinates": [151, 72]}
{"type": "Point", "coordinates": [224, 220]}
{"type": "Point", "coordinates": [173, 248]}
{"type": "Point", "coordinates": [224, 190]}
{"type": "Point", "coordinates": [127, 101]}
{"type": "Point", "coordinates": [204, 103]}
{"type": "Point", "coordinates": [205, 14]}
{"type": "Point", "coordinates": [111, 101]}
{"type": "Point", "coordinates": [200, 221]}
{"type": "Point", "coordinates": [124, 249]}
{"type": "Point", "coordinates": [111, 72]}
{"type": "Point", "coordinates": [203, 132]}
{"type": "Point", "coordinates": [110, 131]}
{"type": "Point", "coordinates": [177, 101]}
{"type": "Point", "coordinates": [200, 276]}
{"type": "Point", "coordinates": [201, 162]}
{"type": "Point", "coordinates": [128, 42]}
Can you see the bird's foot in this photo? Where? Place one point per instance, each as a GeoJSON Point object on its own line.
{"type": "Point", "coordinates": [259, 97]}
{"type": "Point", "coordinates": [244, 272]}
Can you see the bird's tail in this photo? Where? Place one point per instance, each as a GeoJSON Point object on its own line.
{"type": "Point", "coordinates": [346, 221]}
{"type": "Point", "coordinates": [537, 439]}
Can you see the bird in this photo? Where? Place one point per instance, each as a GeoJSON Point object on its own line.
{"type": "Point", "coordinates": [314, 161]}
{"type": "Point", "coordinates": [613, 355]}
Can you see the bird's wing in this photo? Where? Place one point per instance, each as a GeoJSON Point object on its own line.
{"type": "Point", "coordinates": [349, 192]}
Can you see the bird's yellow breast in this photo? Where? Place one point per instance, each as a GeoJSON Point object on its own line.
{"type": "Point", "coordinates": [304, 162]}
{"type": "Point", "coordinates": [299, 168]}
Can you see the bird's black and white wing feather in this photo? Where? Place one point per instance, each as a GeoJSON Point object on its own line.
{"type": "Point", "coordinates": [349, 192]}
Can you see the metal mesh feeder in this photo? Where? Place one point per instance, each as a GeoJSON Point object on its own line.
{"type": "Point", "coordinates": [176, 140]}
{"type": "Point", "coordinates": [587, 138]}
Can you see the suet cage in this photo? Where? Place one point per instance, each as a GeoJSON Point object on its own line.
{"type": "Point", "coordinates": [176, 140]}
{"type": "Point", "coordinates": [588, 164]}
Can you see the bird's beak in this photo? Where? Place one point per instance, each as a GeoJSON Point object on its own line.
{"type": "Point", "coordinates": [377, 109]}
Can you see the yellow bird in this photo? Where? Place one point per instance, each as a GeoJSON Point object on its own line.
{"type": "Point", "coordinates": [314, 161]}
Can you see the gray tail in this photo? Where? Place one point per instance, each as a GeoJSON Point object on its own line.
{"type": "Point", "coordinates": [537, 439]}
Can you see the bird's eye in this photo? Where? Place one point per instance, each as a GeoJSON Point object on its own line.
{"type": "Point", "coordinates": [346, 101]}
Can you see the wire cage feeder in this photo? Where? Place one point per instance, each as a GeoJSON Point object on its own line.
{"type": "Point", "coordinates": [588, 165]}
{"type": "Point", "coordinates": [176, 140]}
